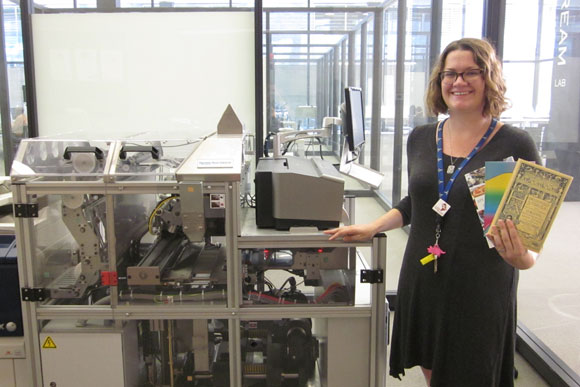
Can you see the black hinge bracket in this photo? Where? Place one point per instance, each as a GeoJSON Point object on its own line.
{"type": "Point", "coordinates": [26, 210]}
{"type": "Point", "coordinates": [371, 276]}
{"type": "Point", "coordinates": [33, 294]}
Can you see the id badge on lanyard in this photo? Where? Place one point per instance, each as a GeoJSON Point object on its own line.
{"type": "Point", "coordinates": [441, 207]}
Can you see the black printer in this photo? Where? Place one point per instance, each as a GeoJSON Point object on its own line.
{"type": "Point", "coordinates": [298, 192]}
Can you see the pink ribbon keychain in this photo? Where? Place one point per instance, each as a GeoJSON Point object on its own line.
{"type": "Point", "coordinates": [434, 251]}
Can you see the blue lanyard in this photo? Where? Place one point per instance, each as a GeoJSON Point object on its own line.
{"type": "Point", "coordinates": [444, 190]}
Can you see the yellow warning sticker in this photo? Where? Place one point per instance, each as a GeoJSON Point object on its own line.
{"type": "Point", "coordinates": [49, 343]}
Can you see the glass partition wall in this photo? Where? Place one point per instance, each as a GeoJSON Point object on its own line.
{"type": "Point", "coordinates": [542, 67]}
{"type": "Point", "coordinates": [311, 55]}
{"type": "Point", "coordinates": [14, 112]}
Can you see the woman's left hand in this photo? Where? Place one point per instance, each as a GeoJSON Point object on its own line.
{"type": "Point", "coordinates": [508, 244]}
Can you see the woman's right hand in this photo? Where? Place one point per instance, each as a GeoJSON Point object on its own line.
{"type": "Point", "coordinates": [356, 232]}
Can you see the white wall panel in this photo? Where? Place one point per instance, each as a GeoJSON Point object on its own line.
{"type": "Point", "coordinates": [156, 75]}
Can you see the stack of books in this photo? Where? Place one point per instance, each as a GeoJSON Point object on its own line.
{"type": "Point", "coordinates": [527, 193]}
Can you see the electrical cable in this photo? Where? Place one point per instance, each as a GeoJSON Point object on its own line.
{"type": "Point", "coordinates": [331, 289]}
{"type": "Point", "coordinates": [269, 283]}
{"type": "Point", "coordinates": [289, 279]}
{"type": "Point", "coordinates": [354, 157]}
{"type": "Point", "coordinates": [320, 144]}
{"type": "Point", "coordinates": [157, 207]}
{"type": "Point", "coordinates": [269, 298]}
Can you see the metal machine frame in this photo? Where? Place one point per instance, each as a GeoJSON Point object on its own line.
{"type": "Point", "coordinates": [240, 233]}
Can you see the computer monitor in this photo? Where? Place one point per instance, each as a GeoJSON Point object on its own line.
{"type": "Point", "coordinates": [354, 122]}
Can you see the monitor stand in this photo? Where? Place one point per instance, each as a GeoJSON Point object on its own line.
{"type": "Point", "coordinates": [357, 171]}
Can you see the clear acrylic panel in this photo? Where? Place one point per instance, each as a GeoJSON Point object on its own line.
{"type": "Point", "coordinates": [62, 160]}
{"type": "Point", "coordinates": [158, 262]}
{"type": "Point", "coordinates": [138, 160]}
{"type": "Point", "coordinates": [69, 247]}
{"type": "Point", "coordinates": [324, 276]}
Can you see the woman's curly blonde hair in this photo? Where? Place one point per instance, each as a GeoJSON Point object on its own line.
{"type": "Point", "coordinates": [485, 57]}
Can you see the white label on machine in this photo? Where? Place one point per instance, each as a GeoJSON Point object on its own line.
{"type": "Point", "coordinates": [215, 163]}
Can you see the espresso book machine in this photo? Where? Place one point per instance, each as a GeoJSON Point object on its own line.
{"type": "Point", "coordinates": [154, 263]}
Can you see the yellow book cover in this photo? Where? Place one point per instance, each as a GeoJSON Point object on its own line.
{"type": "Point", "coordinates": [532, 200]}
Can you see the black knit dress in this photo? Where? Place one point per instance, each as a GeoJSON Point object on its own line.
{"type": "Point", "coordinates": [459, 322]}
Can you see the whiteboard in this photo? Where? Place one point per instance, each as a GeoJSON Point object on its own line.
{"type": "Point", "coordinates": [152, 75]}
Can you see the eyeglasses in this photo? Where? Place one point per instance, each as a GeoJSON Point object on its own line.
{"type": "Point", "coordinates": [450, 77]}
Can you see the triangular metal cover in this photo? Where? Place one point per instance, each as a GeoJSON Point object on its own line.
{"type": "Point", "coordinates": [230, 123]}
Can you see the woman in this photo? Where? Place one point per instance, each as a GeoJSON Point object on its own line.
{"type": "Point", "coordinates": [456, 314]}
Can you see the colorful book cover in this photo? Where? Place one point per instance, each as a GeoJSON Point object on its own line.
{"type": "Point", "coordinates": [531, 200]}
{"type": "Point", "coordinates": [497, 177]}
{"type": "Point", "coordinates": [476, 183]}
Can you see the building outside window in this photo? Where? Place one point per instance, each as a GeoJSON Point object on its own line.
{"type": "Point", "coordinates": [542, 70]}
